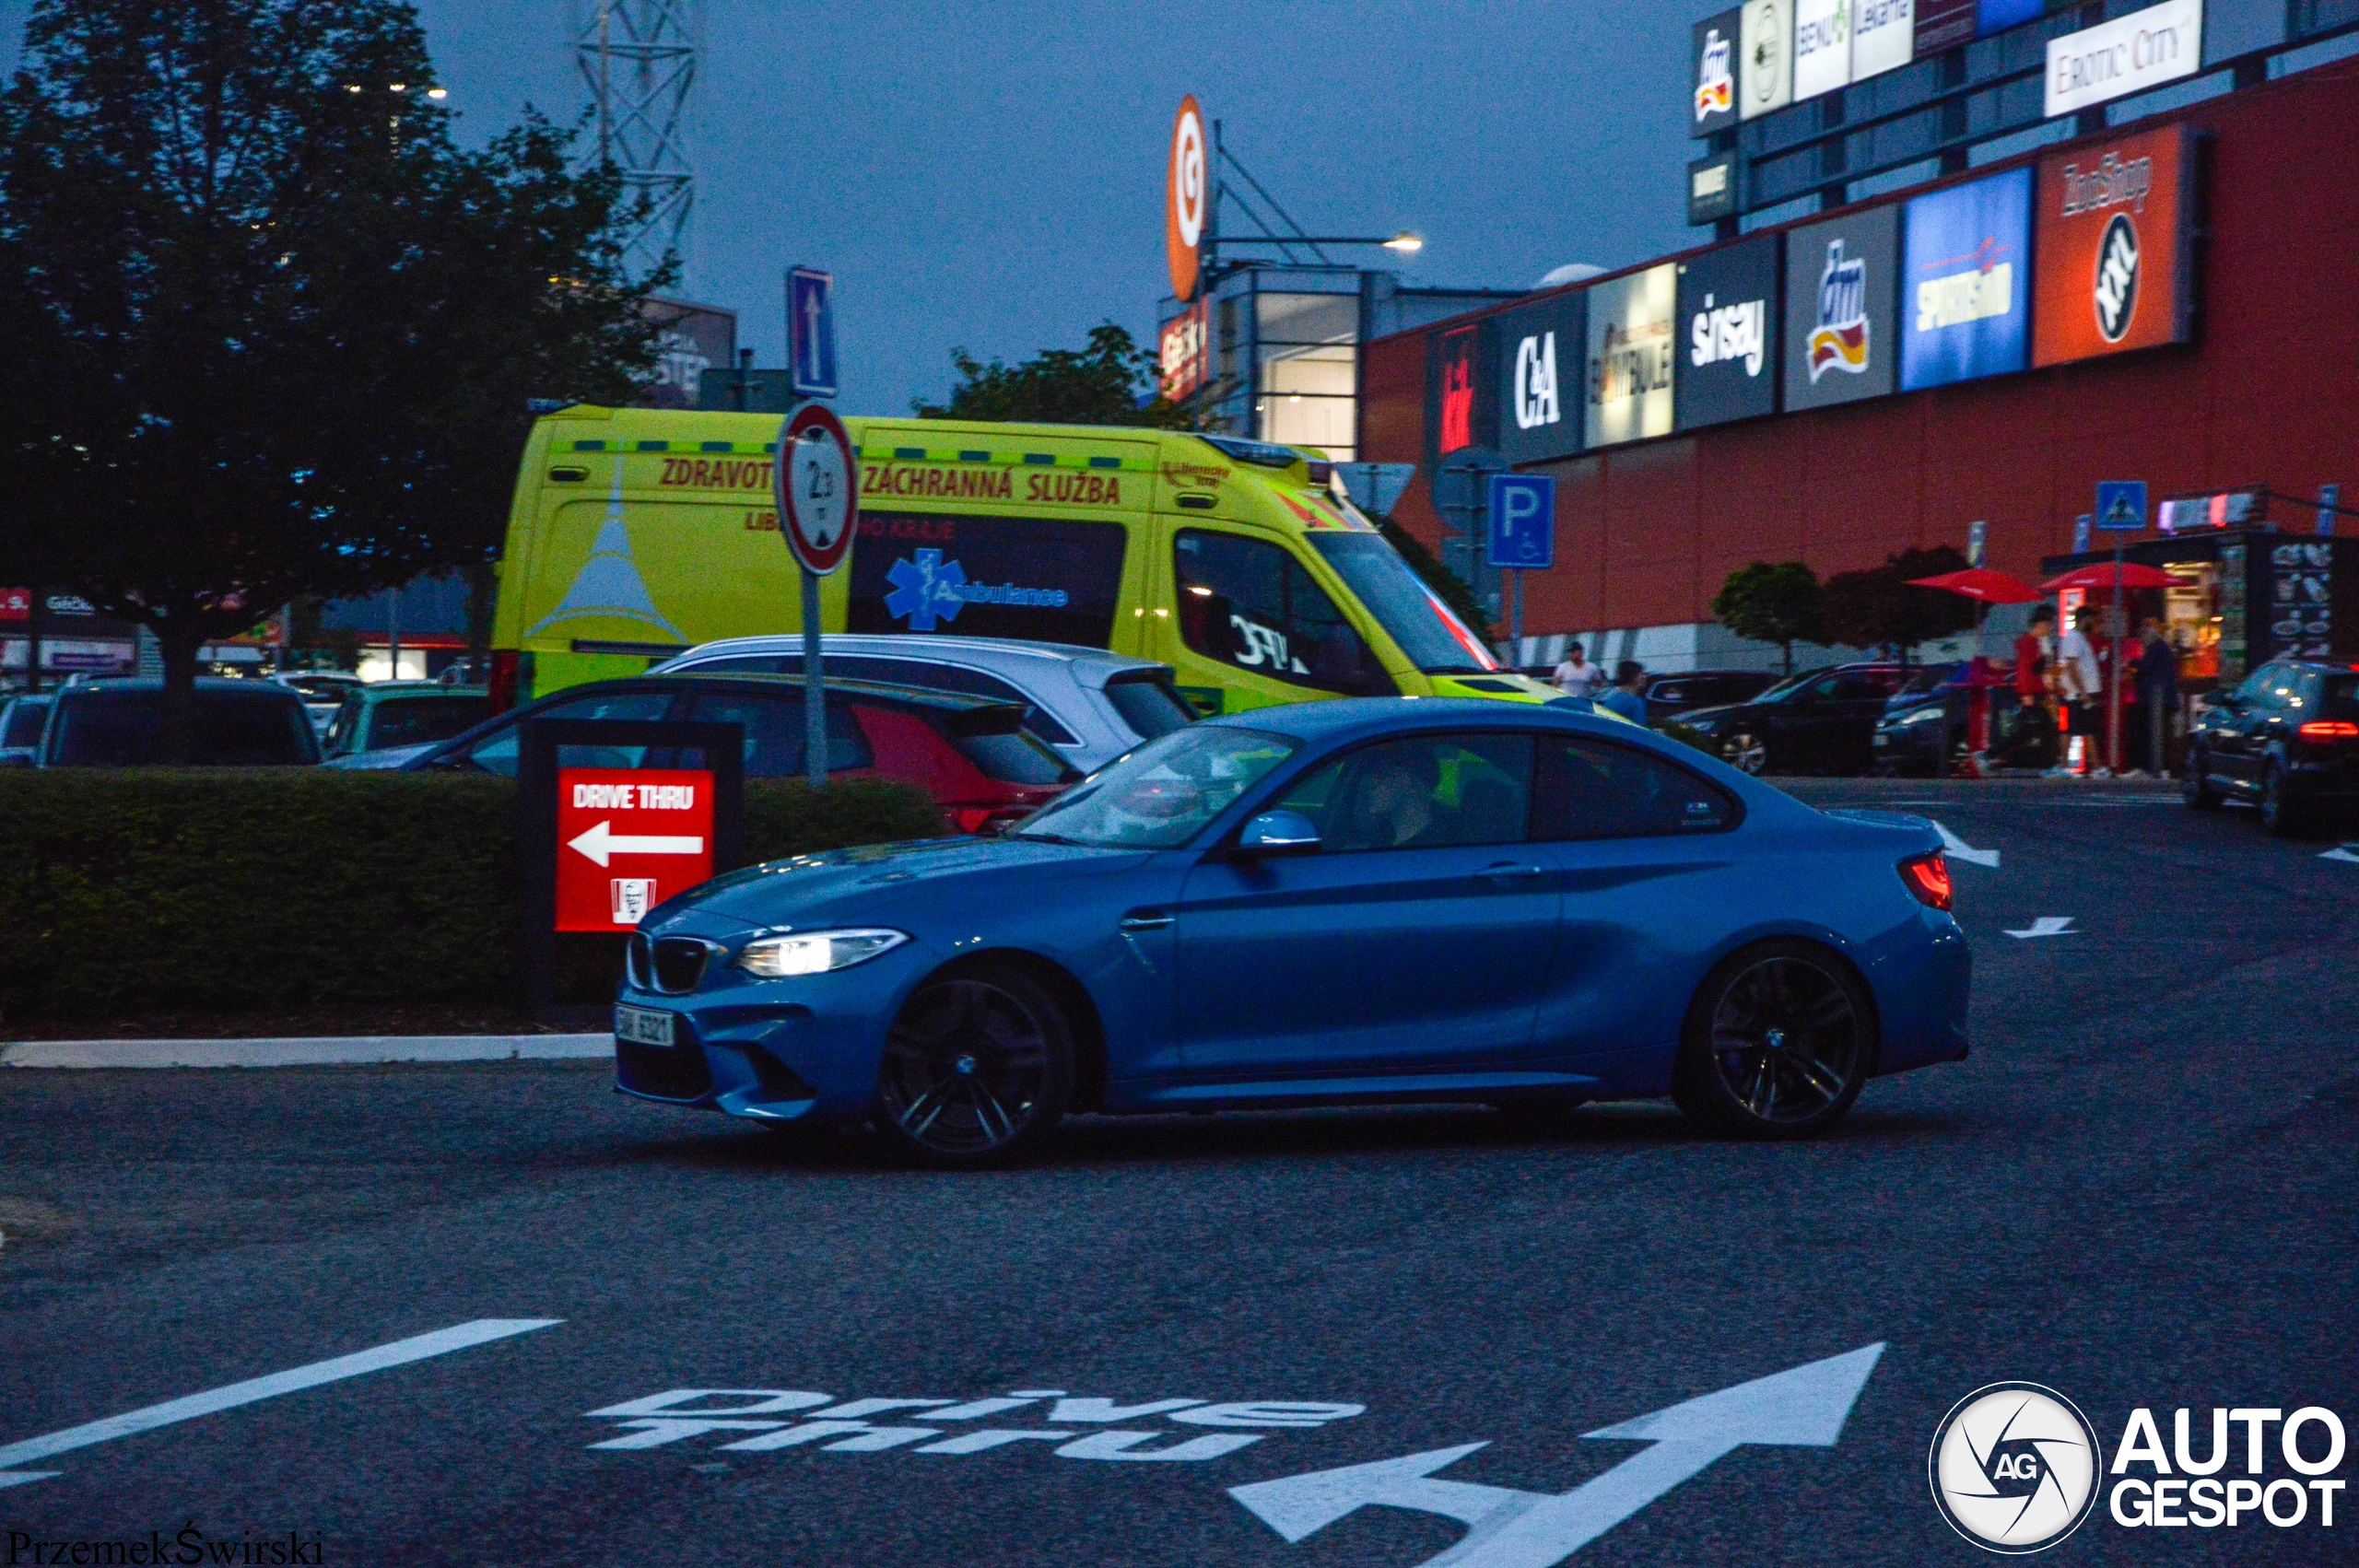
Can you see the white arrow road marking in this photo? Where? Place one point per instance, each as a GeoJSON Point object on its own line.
{"type": "Point", "coordinates": [1510, 1528]}
{"type": "Point", "coordinates": [602, 843]}
{"type": "Point", "coordinates": [2342, 853]}
{"type": "Point", "coordinates": [440, 1342]}
{"type": "Point", "coordinates": [2048, 924]}
{"type": "Point", "coordinates": [1959, 849]}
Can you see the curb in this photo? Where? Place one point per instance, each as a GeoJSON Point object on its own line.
{"type": "Point", "coordinates": [356, 1050]}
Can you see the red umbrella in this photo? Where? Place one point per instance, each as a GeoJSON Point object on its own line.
{"type": "Point", "coordinates": [1981, 583]}
{"type": "Point", "coordinates": [2101, 575]}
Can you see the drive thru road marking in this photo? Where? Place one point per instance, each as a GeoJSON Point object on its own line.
{"type": "Point", "coordinates": [440, 1342]}
{"type": "Point", "coordinates": [2048, 924]}
{"type": "Point", "coordinates": [1959, 849]}
{"type": "Point", "coordinates": [1510, 1528]}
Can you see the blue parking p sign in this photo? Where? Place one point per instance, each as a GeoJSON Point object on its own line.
{"type": "Point", "coordinates": [2121, 505]}
{"type": "Point", "coordinates": [811, 330]}
{"type": "Point", "coordinates": [1523, 520]}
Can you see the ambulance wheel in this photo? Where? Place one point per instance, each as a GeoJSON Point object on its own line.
{"type": "Point", "coordinates": [977, 1071]}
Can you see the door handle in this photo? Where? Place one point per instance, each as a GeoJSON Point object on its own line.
{"type": "Point", "coordinates": [1507, 870]}
{"type": "Point", "coordinates": [1145, 920]}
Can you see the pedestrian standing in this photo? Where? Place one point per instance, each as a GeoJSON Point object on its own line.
{"type": "Point", "coordinates": [1628, 696]}
{"type": "Point", "coordinates": [2035, 659]}
{"type": "Point", "coordinates": [2081, 680]}
{"type": "Point", "coordinates": [1577, 676]}
{"type": "Point", "coordinates": [2158, 693]}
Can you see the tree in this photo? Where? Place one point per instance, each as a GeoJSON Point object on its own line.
{"type": "Point", "coordinates": [1448, 585]}
{"type": "Point", "coordinates": [1112, 381]}
{"type": "Point", "coordinates": [1879, 605]}
{"type": "Point", "coordinates": [1780, 603]}
{"type": "Point", "coordinates": [274, 334]}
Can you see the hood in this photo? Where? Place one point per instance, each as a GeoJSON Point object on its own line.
{"type": "Point", "coordinates": [874, 881]}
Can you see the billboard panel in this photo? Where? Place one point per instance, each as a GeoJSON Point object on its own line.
{"type": "Point", "coordinates": [1838, 339]}
{"type": "Point", "coordinates": [1765, 76]}
{"type": "Point", "coordinates": [2113, 266]}
{"type": "Point", "coordinates": [1943, 24]}
{"type": "Point", "coordinates": [1966, 282]}
{"type": "Point", "coordinates": [689, 340]}
{"type": "Point", "coordinates": [1728, 344]}
{"type": "Point", "coordinates": [1713, 59]}
{"type": "Point", "coordinates": [1540, 378]}
{"type": "Point", "coordinates": [1822, 47]}
{"type": "Point", "coordinates": [1883, 36]}
{"type": "Point", "coordinates": [1998, 15]}
{"type": "Point", "coordinates": [2129, 54]}
{"type": "Point", "coordinates": [1459, 405]}
{"type": "Point", "coordinates": [1630, 371]}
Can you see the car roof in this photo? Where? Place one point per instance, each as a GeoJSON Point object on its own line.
{"type": "Point", "coordinates": [380, 690]}
{"type": "Point", "coordinates": [920, 645]}
{"type": "Point", "coordinates": [1354, 717]}
{"type": "Point", "coordinates": [749, 680]}
{"type": "Point", "coordinates": [134, 684]}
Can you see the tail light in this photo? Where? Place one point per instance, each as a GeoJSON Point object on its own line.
{"type": "Point", "coordinates": [503, 680]}
{"type": "Point", "coordinates": [2330, 730]}
{"type": "Point", "coordinates": [1928, 877]}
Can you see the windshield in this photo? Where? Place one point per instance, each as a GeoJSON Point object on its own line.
{"type": "Point", "coordinates": [1435, 641]}
{"type": "Point", "coordinates": [1161, 795]}
{"type": "Point", "coordinates": [1794, 682]}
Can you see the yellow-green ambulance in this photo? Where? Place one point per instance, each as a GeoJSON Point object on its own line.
{"type": "Point", "coordinates": [639, 532]}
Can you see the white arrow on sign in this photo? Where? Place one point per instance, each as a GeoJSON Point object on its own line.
{"type": "Point", "coordinates": [1959, 849]}
{"type": "Point", "coordinates": [602, 842]}
{"type": "Point", "coordinates": [2048, 925]}
{"type": "Point", "coordinates": [1510, 1528]}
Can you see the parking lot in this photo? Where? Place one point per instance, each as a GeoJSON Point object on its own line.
{"type": "Point", "coordinates": [2137, 1192]}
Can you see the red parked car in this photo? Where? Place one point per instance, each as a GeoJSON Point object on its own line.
{"type": "Point", "coordinates": [971, 755]}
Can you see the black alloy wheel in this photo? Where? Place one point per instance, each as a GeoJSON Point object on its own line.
{"type": "Point", "coordinates": [978, 1069]}
{"type": "Point", "coordinates": [1778, 1042]}
{"type": "Point", "coordinates": [1744, 751]}
{"type": "Point", "coordinates": [2195, 783]}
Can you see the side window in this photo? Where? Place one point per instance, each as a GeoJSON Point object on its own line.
{"type": "Point", "coordinates": [1596, 790]}
{"type": "Point", "coordinates": [936, 677]}
{"type": "Point", "coordinates": [496, 753]}
{"type": "Point", "coordinates": [2283, 687]}
{"type": "Point", "coordinates": [1431, 792]}
{"type": "Point", "coordinates": [774, 733]}
{"type": "Point", "coordinates": [1857, 686]}
{"type": "Point", "coordinates": [1250, 604]}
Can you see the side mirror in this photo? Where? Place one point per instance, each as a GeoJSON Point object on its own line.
{"type": "Point", "coordinates": [1278, 833]}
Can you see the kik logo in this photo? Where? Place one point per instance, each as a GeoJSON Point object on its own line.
{"type": "Point", "coordinates": [925, 591]}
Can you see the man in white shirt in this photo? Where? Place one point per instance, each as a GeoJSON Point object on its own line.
{"type": "Point", "coordinates": [2079, 681]}
{"type": "Point", "coordinates": [1577, 676]}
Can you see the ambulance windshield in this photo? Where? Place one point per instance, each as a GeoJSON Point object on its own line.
{"type": "Point", "coordinates": [1435, 641]}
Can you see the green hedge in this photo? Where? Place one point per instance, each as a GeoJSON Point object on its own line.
{"type": "Point", "coordinates": [257, 888]}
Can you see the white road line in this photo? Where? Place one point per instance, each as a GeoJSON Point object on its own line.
{"type": "Point", "coordinates": [2048, 925]}
{"type": "Point", "coordinates": [326, 1052]}
{"type": "Point", "coordinates": [1959, 849]}
{"type": "Point", "coordinates": [2342, 853]}
{"type": "Point", "coordinates": [401, 1351]}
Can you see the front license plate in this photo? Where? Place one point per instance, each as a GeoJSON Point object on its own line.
{"type": "Point", "coordinates": [643, 1026]}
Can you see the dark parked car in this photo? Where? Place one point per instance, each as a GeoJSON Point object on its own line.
{"type": "Point", "coordinates": [389, 714]}
{"type": "Point", "coordinates": [1818, 721]}
{"type": "Point", "coordinates": [20, 722]}
{"type": "Point", "coordinates": [2287, 740]}
{"type": "Point", "coordinates": [232, 724]}
{"type": "Point", "coordinates": [971, 755]}
{"type": "Point", "coordinates": [1669, 695]}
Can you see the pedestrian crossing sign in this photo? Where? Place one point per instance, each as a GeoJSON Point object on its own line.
{"type": "Point", "coordinates": [2121, 504]}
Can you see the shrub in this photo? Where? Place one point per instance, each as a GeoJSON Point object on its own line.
{"type": "Point", "coordinates": [236, 888]}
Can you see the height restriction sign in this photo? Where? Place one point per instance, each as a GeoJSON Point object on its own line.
{"type": "Point", "coordinates": [627, 840]}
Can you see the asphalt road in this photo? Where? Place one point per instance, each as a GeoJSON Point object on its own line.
{"type": "Point", "coordinates": [2139, 1192]}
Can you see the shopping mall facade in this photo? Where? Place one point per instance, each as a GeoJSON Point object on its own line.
{"type": "Point", "coordinates": [2173, 300]}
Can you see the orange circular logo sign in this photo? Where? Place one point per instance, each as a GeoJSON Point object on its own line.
{"type": "Point", "coordinates": [1187, 198]}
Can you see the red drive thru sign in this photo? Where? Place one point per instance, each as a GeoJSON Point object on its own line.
{"type": "Point", "coordinates": [627, 840]}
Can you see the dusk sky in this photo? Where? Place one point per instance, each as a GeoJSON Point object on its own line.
{"type": "Point", "coordinates": [991, 174]}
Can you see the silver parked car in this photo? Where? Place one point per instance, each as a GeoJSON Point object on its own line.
{"type": "Point", "coordinates": [1092, 706]}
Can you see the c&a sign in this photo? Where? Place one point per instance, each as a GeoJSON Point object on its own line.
{"type": "Point", "coordinates": [1540, 345]}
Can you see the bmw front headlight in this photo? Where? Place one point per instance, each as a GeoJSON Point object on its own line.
{"type": "Point", "coordinates": [1705, 725]}
{"type": "Point", "coordinates": [1930, 714]}
{"type": "Point", "coordinates": [815, 953]}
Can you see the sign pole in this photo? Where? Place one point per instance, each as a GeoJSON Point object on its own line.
{"type": "Point", "coordinates": [2112, 706]}
{"type": "Point", "coordinates": [814, 687]}
{"type": "Point", "coordinates": [1515, 610]}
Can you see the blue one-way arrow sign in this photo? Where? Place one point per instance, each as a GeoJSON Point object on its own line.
{"type": "Point", "coordinates": [2121, 505]}
{"type": "Point", "coordinates": [811, 330]}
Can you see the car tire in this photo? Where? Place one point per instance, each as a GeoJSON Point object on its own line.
{"type": "Point", "coordinates": [1778, 1041]}
{"type": "Point", "coordinates": [978, 1069]}
{"type": "Point", "coordinates": [2284, 818]}
{"type": "Point", "coordinates": [1746, 752]}
{"type": "Point", "coordinates": [2195, 785]}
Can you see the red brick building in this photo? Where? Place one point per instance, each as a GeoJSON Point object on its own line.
{"type": "Point", "coordinates": [2266, 392]}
